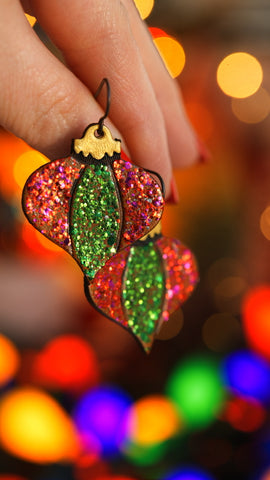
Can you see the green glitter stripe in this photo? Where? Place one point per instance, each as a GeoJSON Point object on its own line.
{"type": "Point", "coordinates": [143, 291]}
{"type": "Point", "coordinates": [95, 218]}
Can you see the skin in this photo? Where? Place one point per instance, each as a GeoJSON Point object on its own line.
{"type": "Point", "coordinates": [47, 103]}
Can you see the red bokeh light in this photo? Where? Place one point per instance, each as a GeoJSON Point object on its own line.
{"type": "Point", "coordinates": [67, 362]}
{"type": "Point", "coordinates": [246, 415]}
{"type": "Point", "coordinates": [256, 319]}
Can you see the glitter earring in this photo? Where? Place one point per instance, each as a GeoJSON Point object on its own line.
{"type": "Point", "coordinates": [143, 284]}
{"type": "Point", "coordinates": [94, 202]}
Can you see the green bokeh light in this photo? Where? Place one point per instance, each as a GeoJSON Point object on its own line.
{"type": "Point", "coordinates": [196, 388]}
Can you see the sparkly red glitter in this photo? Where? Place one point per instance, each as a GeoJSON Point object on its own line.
{"type": "Point", "coordinates": [106, 288]}
{"type": "Point", "coordinates": [181, 270]}
{"type": "Point", "coordinates": [142, 198]}
{"type": "Point", "coordinates": [46, 199]}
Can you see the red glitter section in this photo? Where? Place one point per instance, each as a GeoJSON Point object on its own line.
{"type": "Point", "coordinates": [106, 288]}
{"type": "Point", "coordinates": [181, 271]}
{"type": "Point", "coordinates": [142, 198]}
{"type": "Point", "coordinates": [46, 199]}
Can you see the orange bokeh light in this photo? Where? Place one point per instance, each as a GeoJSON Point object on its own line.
{"type": "Point", "coordinates": [34, 427]}
{"type": "Point", "coordinates": [144, 7]}
{"type": "Point", "coordinates": [172, 54]}
{"type": "Point", "coordinates": [256, 319]}
{"type": "Point", "coordinates": [67, 362]}
{"type": "Point", "coordinates": [26, 164]}
{"type": "Point", "coordinates": [239, 75]}
{"type": "Point", "coordinates": [152, 420]}
{"type": "Point", "coordinates": [9, 360]}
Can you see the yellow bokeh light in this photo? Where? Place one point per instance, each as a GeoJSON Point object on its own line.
{"type": "Point", "coordinates": [172, 54]}
{"type": "Point", "coordinates": [265, 223]}
{"type": "Point", "coordinates": [144, 7]}
{"type": "Point", "coordinates": [153, 419]}
{"type": "Point", "coordinates": [239, 75]}
{"type": "Point", "coordinates": [9, 360]}
{"type": "Point", "coordinates": [26, 164]}
{"type": "Point", "coordinates": [253, 109]}
{"type": "Point", "coordinates": [34, 427]}
{"type": "Point", "coordinates": [31, 20]}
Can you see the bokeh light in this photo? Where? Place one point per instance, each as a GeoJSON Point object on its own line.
{"type": "Point", "coordinates": [221, 331]}
{"type": "Point", "coordinates": [244, 414]}
{"type": "Point", "coordinates": [32, 20]}
{"type": "Point", "coordinates": [256, 319]}
{"type": "Point", "coordinates": [26, 164]}
{"type": "Point", "coordinates": [67, 362]}
{"type": "Point", "coordinates": [248, 375]}
{"type": "Point", "coordinates": [265, 223]}
{"type": "Point", "coordinates": [170, 50]}
{"type": "Point", "coordinates": [34, 427]}
{"type": "Point", "coordinates": [196, 388]}
{"type": "Point", "coordinates": [144, 455]}
{"type": "Point", "coordinates": [100, 417]}
{"type": "Point", "coordinates": [188, 473]}
{"type": "Point", "coordinates": [253, 109]}
{"type": "Point", "coordinates": [11, 477]}
{"type": "Point", "coordinates": [266, 475]}
{"type": "Point", "coordinates": [152, 420]}
{"type": "Point", "coordinates": [239, 75]}
{"type": "Point", "coordinates": [144, 7]}
{"type": "Point", "coordinates": [9, 360]}
{"type": "Point", "coordinates": [171, 327]}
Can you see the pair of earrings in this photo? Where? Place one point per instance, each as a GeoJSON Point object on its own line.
{"type": "Point", "coordinates": [105, 212]}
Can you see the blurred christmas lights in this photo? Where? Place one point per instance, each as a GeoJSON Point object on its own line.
{"type": "Point", "coordinates": [144, 7]}
{"type": "Point", "coordinates": [256, 319]}
{"type": "Point", "coordinates": [9, 360]}
{"type": "Point", "coordinates": [67, 362]}
{"type": "Point", "coordinates": [170, 50]}
{"type": "Point", "coordinates": [189, 473]}
{"type": "Point", "coordinates": [265, 223]}
{"type": "Point", "coordinates": [247, 374]}
{"type": "Point", "coordinates": [31, 20]}
{"type": "Point", "coordinates": [253, 109]}
{"type": "Point", "coordinates": [196, 388]}
{"type": "Point", "coordinates": [220, 331]}
{"type": "Point", "coordinates": [239, 75]}
{"type": "Point", "coordinates": [34, 427]}
{"type": "Point", "coordinates": [171, 327]}
{"type": "Point", "coordinates": [152, 420]}
{"type": "Point", "coordinates": [244, 414]}
{"type": "Point", "coordinates": [99, 417]}
{"type": "Point", "coordinates": [26, 164]}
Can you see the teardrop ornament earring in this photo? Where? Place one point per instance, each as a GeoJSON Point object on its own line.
{"type": "Point", "coordinates": [94, 202]}
{"type": "Point", "coordinates": [143, 284]}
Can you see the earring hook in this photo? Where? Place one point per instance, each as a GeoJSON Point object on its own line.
{"type": "Point", "coordinates": [105, 81]}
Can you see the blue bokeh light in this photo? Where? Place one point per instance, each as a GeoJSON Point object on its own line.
{"type": "Point", "coordinates": [191, 473]}
{"type": "Point", "coordinates": [247, 374]}
{"type": "Point", "coordinates": [100, 418]}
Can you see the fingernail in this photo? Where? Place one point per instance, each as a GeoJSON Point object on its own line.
{"type": "Point", "coordinates": [173, 198]}
{"type": "Point", "coordinates": [205, 156]}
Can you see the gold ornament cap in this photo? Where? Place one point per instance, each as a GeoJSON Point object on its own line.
{"type": "Point", "coordinates": [97, 145]}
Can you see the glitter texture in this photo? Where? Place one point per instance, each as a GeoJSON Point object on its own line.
{"type": "Point", "coordinates": [95, 219]}
{"type": "Point", "coordinates": [46, 198]}
{"type": "Point", "coordinates": [143, 291]}
{"type": "Point", "coordinates": [142, 198]}
{"type": "Point", "coordinates": [181, 273]}
{"type": "Point", "coordinates": [106, 288]}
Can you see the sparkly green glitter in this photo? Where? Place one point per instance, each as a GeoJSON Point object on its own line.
{"type": "Point", "coordinates": [143, 291]}
{"type": "Point", "coordinates": [95, 219]}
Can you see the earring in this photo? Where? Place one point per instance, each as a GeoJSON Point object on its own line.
{"type": "Point", "coordinates": [94, 202]}
{"type": "Point", "coordinates": [143, 284]}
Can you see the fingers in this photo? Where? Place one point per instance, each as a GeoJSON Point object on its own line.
{"type": "Point", "coordinates": [182, 141]}
{"type": "Point", "coordinates": [97, 41]}
{"type": "Point", "coordinates": [41, 101]}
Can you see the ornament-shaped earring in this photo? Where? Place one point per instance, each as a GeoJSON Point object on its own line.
{"type": "Point", "coordinates": [93, 203]}
{"type": "Point", "coordinates": [143, 284]}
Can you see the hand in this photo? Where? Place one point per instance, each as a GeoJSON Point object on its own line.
{"type": "Point", "coordinates": [47, 104]}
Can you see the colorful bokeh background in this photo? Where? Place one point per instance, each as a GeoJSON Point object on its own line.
{"type": "Point", "coordinates": [79, 400]}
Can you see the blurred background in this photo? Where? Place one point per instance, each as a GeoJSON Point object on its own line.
{"type": "Point", "coordinates": [79, 399]}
